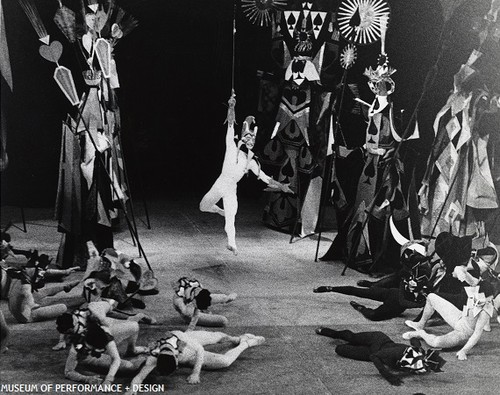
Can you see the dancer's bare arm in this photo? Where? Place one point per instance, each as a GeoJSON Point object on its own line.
{"type": "Point", "coordinates": [112, 351]}
{"type": "Point", "coordinates": [186, 357]}
{"type": "Point", "coordinates": [194, 320]}
{"type": "Point", "coordinates": [148, 367]}
{"type": "Point", "coordinates": [478, 331]}
{"type": "Point", "coordinates": [71, 373]}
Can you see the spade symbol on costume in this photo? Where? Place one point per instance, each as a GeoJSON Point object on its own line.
{"type": "Point", "coordinates": [291, 21]}
{"type": "Point", "coordinates": [369, 171]}
{"type": "Point", "coordinates": [355, 19]}
{"type": "Point", "coordinates": [398, 201]}
{"type": "Point", "coordinates": [287, 170]}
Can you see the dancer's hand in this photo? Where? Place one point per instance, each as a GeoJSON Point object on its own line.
{"type": "Point", "coordinates": [394, 380]}
{"type": "Point", "coordinates": [94, 379]}
{"type": "Point", "coordinates": [193, 379]}
{"type": "Point", "coordinates": [461, 355]}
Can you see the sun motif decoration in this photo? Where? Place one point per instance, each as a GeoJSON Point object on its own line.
{"type": "Point", "coordinates": [259, 11]}
{"type": "Point", "coordinates": [348, 56]}
{"type": "Point", "coordinates": [360, 20]}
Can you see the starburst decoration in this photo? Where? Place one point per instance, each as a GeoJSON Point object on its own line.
{"type": "Point", "coordinates": [259, 11]}
{"type": "Point", "coordinates": [348, 56]}
{"type": "Point", "coordinates": [360, 21]}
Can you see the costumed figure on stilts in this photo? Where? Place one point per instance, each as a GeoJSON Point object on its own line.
{"type": "Point", "coordinates": [296, 105]}
{"type": "Point", "coordinates": [239, 159]}
{"type": "Point", "coordinates": [191, 301]}
{"type": "Point", "coordinates": [459, 191]}
{"type": "Point", "coordinates": [92, 180]}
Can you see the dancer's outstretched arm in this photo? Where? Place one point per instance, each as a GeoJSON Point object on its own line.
{"type": "Point", "coordinates": [112, 350]}
{"type": "Point", "coordinates": [71, 373]}
{"type": "Point", "coordinates": [386, 374]}
{"type": "Point", "coordinates": [194, 377]}
{"type": "Point", "coordinates": [148, 367]}
{"type": "Point", "coordinates": [481, 322]}
{"type": "Point", "coordinates": [255, 169]}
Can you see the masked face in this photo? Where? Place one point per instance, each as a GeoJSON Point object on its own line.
{"type": "Point", "coordinates": [92, 290]}
{"type": "Point", "coordinates": [413, 360]}
{"type": "Point", "coordinates": [249, 140]}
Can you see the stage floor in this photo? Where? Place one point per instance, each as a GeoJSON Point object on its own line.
{"type": "Point", "coordinates": [274, 281]}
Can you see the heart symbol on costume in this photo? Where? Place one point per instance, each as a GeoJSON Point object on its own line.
{"type": "Point", "coordinates": [51, 52]}
{"type": "Point", "coordinates": [100, 20]}
{"type": "Point", "coordinates": [90, 19]}
{"type": "Point", "coordinates": [87, 41]}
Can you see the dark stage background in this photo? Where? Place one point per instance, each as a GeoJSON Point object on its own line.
{"type": "Point", "coordinates": [175, 75]}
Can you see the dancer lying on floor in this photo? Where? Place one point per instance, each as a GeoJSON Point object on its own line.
{"type": "Point", "coordinates": [28, 292]}
{"type": "Point", "coordinates": [383, 352]}
{"type": "Point", "coordinates": [236, 164]}
{"type": "Point", "coordinates": [95, 289]}
{"type": "Point", "coordinates": [417, 278]}
{"type": "Point", "coordinates": [468, 324]}
{"type": "Point", "coordinates": [186, 348]}
{"type": "Point", "coordinates": [94, 338]}
{"type": "Point", "coordinates": [191, 301]}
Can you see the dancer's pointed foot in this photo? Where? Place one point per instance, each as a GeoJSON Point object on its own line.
{"type": "Point", "coordinates": [231, 297]}
{"type": "Point", "coordinates": [322, 289]}
{"type": "Point", "coordinates": [320, 330]}
{"type": "Point", "coordinates": [412, 334]}
{"type": "Point", "coordinates": [414, 325]}
{"type": "Point", "coordinates": [232, 248]}
{"type": "Point", "coordinates": [68, 287]}
{"type": "Point", "coordinates": [252, 340]}
{"type": "Point", "coordinates": [364, 283]}
{"type": "Point", "coordinates": [356, 305]}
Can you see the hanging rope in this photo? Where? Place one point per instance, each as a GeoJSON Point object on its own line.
{"type": "Point", "coordinates": [234, 49]}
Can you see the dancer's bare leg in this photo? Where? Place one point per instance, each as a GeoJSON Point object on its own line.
{"type": "Point", "coordinates": [436, 303]}
{"type": "Point", "coordinates": [47, 312]}
{"type": "Point", "coordinates": [104, 361]}
{"type": "Point", "coordinates": [231, 208]}
{"type": "Point", "coordinates": [127, 331]}
{"type": "Point", "coordinates": [209, 202]}
{"type": "Point", "coordinates": [4, 333]}
{"type": "Point", "coordinates": [211, 320]}
{"type": "Point", "coordinates": [206, 338]}
{"type": "Point", "coordinates": [222, 298]}
{"type": "Point", "coordinates": [213, 361]}
{"type": "Point", "coordinates": [452, 339]}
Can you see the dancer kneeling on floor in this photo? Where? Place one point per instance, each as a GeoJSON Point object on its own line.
{"type": "Point", "coordinates": [94, 339]}
{"type": "Point", "coordinates": [383, 352]}
{"type": "Point", "coordinates": [186, 348]}
{"type": "Point", "coordinates": [191, 301]}
{"type": "Point", "coordinates": [468, 324]}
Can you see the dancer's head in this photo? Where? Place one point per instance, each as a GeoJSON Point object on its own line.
{"type": "Point", "coordinates": [166, 350]}
{"type": "Point", "coordinates": [417, 360]}
{"type": "Point", "coordinates": [249, 133]}
{"type": "Point", "coordinates": [203, 299]}
{"type": "Point", "coordinates": [94, 285]}
{"type": "Point", "coordinates": [166, 364]}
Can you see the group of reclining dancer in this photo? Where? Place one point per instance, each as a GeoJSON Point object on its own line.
{"type": "Point", "coordinates": [460, 285]}
{"type": "Point", "coordinates": [94, 337]}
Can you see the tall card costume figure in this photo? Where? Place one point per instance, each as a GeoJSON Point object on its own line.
{"type": "Point", "coordinates": [461, 185]}
{"type": "Point", "coordinates": [305, 46]}
{"type": "Point", "coordinates": [236, 164]}
{"type": "Point", "coordinates": [92, 182]}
